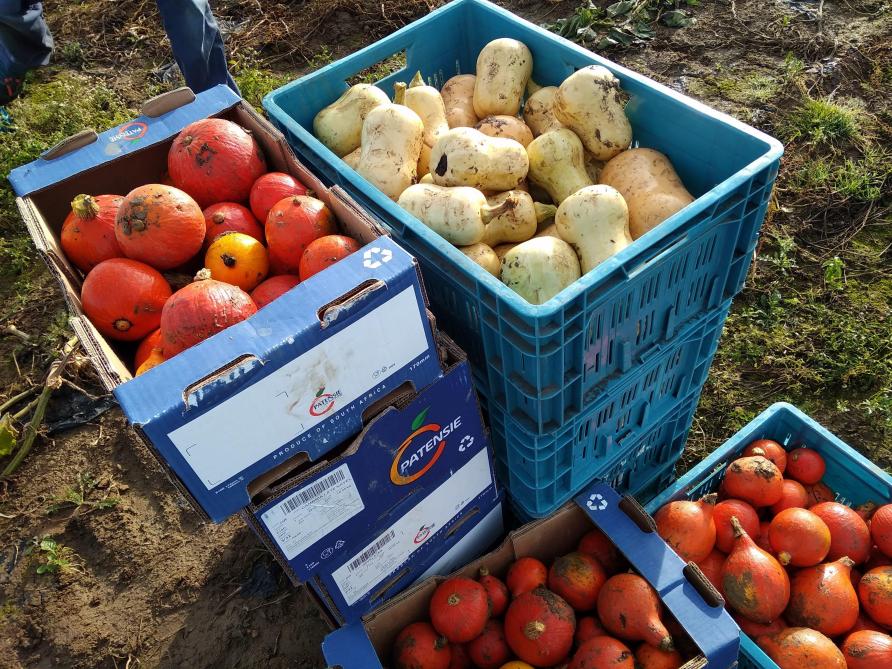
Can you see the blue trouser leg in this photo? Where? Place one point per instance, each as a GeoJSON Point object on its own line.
{"type": "Point", "coordinates": [196, 42]}
{"type": "Point", "coordinates": [25, 39]}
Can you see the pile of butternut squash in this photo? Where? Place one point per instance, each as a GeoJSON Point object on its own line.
{"type": "Point", "coordinates": [536, 185]}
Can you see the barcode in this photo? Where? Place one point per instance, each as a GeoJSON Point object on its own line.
{"type": "Point", "coordinates": [313, 491]}
{"type": "Point", "coordinates": [371, 550]}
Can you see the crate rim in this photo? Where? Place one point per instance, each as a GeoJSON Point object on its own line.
{"type": "Point", "coordinates": [744, 435]}
{"type": "Point", "coordinates": [395, 42]}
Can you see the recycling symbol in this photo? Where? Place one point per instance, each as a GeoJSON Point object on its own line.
{"type": "Point", "coordinates": [596, 502]}
{"type": "Point", "coordinates": [466, 442]}
{"type": "Point", "coordinates": [374, 257]}
{"type": "Point", "coordinates": [339, 544]}
{"type": "Point", "coordinates": [327, 553]}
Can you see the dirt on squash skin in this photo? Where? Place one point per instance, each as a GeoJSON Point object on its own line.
{"type": "Point", "coordinates": [149, 585]}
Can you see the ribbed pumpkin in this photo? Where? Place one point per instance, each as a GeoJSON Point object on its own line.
{"type": "Point", "coordinates": [124, 298]}
{"type": "Point", "coordinates": [596, 544]}
{"type": "Point", "coordinates": [603, 652]}
{"type": "Point", "coordinates": [324, 252]}
{"type": "Point", "coordinates": [577, 578]}
{"type": "Point", "coordinates": [881, 529]}
{"type": "Point", "coordinates": [806, 466]}
{"type": "Point", "coordinates": [868, 650]}
{"type": "Point", "coordinates": [215, 160]}
{"type": "Point", "coordinates": [272, 288]}
{"type": "Point", "coordinates": [724, 532]}
{"type": "Point", "coordinates": [230, 217]}
{"type": "Point", "coordinates": [290, 227]}
{"type": "Point", "coordinates": [849, 534]}
{"type": "Point", "coordinates": [629, 608]}
{"type": "Point", "coordinates": [490, 650]}
{"type": "Point", "coordinates": [200, 310]}
{"type": "Point", "coordinates": [770, 449]}
{"type": "Point", "coordinates": [237, 258]}
{"type": "Point", "coordinates": [418, 646]}
{"type": "Point", "coordinates": [875, 593]}
{"type": "Point", "coordinates": [539, 627]}
{"type": "Point", "coordinates": [525, 574]}
{"type": "Point", "coordinates": [794, 496]}
{"type": "Point", "coordinates": [145, 348]}
{"type": "Point", "coordinates": [159, 225]}
{"type": "Point", "coordinates": [88, 233]}
{"type": "Point", "coordinates": [799, 537]}
{"type": "Point", "coordinates": [688, 527]}
{"type": "Point", "coordinates": [802, 648]}
{"type": "Point", "coordinates": [753, 582]}
{"type": "Point", "coordinates": [459, 609]}
{"type": "Point", "coordinates": [754, 479]}
{"type": "Point", "coordinates": [271, 188]}
{"type": "Point", "coordinates": [496, 592]}
{"type": "Point", "coordinates": [822, 597]}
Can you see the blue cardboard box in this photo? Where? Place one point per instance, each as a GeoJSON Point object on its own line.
{"type": "Point", "coordinates": [712, 636]}
{"type": "Point", "coordinates": [374, 516]}
{"type": "Point", "coordinates": [279, 389]}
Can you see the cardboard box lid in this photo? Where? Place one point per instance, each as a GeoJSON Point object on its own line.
{"type": "Point", "coordinates": [162, 118]}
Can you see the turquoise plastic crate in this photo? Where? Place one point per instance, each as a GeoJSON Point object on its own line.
{"type": "Point", "coordinates": [626, 436]}
{"type": "Point", "coordinates": [854, 478]}
{"type": "Point", "coordinates": [551, 362]}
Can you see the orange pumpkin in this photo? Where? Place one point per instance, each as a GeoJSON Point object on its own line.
{"type": "Point", "coordinates": [215, 160]}
{"type": "Point", "coordinates": [324, 252]}
{"type": "Point", "coordinates": [156, 357]}
{"type": "Point", "coordinates": [123, 298]}
{"type": "Point", "coordinates": [271, 188]}
{"type": "Point", "coordinates": [230, 217]}
{"type": "Point", "coordinates": [160, 226]}
{"type": "Point", "coordinates": [273, 288]}
{"type": "Point", "coordinates": [290, 227]}
{"type": "Point", "coordinates": [145, 348]}
{"type": "Point", "coordinates": [237, 258]}
{"type": "Point", "coordinates": [202, 309]}
{"type": "Point", "coordinates": [88, 233]}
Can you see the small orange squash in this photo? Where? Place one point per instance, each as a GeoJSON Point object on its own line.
{"type": "Point", "coordinates": [770, 449]}
{"type": "Point", "coordinates": [794, 496]}
{"type": "Point", "coordinates": [156, 357]}
{"type": "Point", "coordinates": [754, 479]}
{"type": "Point", "coordinates": [490, 650]}
{"type": "Point", "coordinates": [849, 534]}
{"type": "Point", "coordinates": [230, 217]}
{"type": "Point", "coordinates": [123, 298]}
{"type": "Point", "coordinates": [526, 574]}
{"type": "Point", "coordinates": [822, 597]}
{"type": "Point", "coordinates": [418, 646]}
{"type": "Point", "coordinates": [603, 652]}
{"type": "Point", "coordinates": [596, 544]}
{"type": "Point", "coordinates": [868, 650]}
{"type": "Point", "coordinates": [806, 466]}
{"type": "Point", "coordinates": [587, 628]}
{"type": "Point", "coordinates": [88, 233]}
{"type": "Point", "coordinates": [802, 648]}
{"type": "Point", "coordinates": [291, 225]}
{"type": "Point", "coordinates": [630, 608]}
{"type": "Point", "coordinates": [459, 609]}
{"type": "Point", "coordinates": [648, 657]}
{"type": "Point", "coordinates": [496, 591]}
{"type": "Point", "coordinates": [875, 594]}
{"type": "Point", "coordinates": [799, 537]}
{"type": "Point", "coordinates": [271, 188]}
{"type": "Point", "coordinates": [160, 226]}
{"type": "Point", "coordinates": [539, 627]}
{"type": "Point", "coordinates": [237, 258]}
{"type": "Point", "coordinates": [711, 566]}
{"type": "Point", "coordinates": [145, 348]}
{"type": "Point", "coordinates": [724, 532]}
{"type": "Point", "coordinates": [577, 578]}
{"type": "Point", "coordinates": [324, 252]}
{"type": "Point", "coordinates": [881, 529]}
{"type": "Point", "coordinates": [272, 288]}
{"type": "Point", "coordinates": [753, 582]}
{"type": "Point", "coordinates": [688, 527]}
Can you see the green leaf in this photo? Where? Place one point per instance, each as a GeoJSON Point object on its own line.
{"type": "Point", "coordinates": [676, 19]}
{"type": "Point", "coordinates": [620, 8]}
{"type": "Point", "coordinates": [419, 419]}
{"type": "Point", "coordinates": [320, 391]}
{"type": "Point", "coordinates": [8, 435]}
{"type": "Point", "coordinates": [42, 569]}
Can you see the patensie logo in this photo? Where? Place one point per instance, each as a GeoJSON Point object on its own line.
{"type": "Point", "coordinates": [423, 533]}
{"type": "Point", "coordinates": [323, 402]}
{"type": "Point", "coordinates": [421, 449]}
{"type": "Point", "coordinates": [130, 132]}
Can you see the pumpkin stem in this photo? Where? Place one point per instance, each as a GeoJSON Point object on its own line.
{"type": "Point", "coordinates": [122, 325]}
{"type": "Point", "coordinates": [417, 80]}
{"type": "Point", "coordinates": [710, 499]}
{"type": "Point", "coordinates": [399, 93]}
{"type": "Point", "coordinates": [758, 451]}
{"type": "Point", "coordinates": [84, 206]}
{"type": "Point", "coordinates": [484, 571]}
{"type": "Point", "coordinates": [544, 211]}
{"type": "Point", "coordinates": [219, 218]}
{"type": "Point", "coordinates": [666, 643]}
{"type": "Point", "coordinates": [784, 558]}
{"type": "Point", "coordinates": [203, 274]}
{"type": "Point", "coordinates": [847, 561]}
{"type": "Point", "coordinates": [441, 642]}
{"type": "Point", "coordinates": [454, 600]}
{"type": "Point", "coordinates": [228, 260]}
{"type": "Point", "coordinates": [533, 629]}
{"type": "Point", "coordinates": [738, 528]}
{"type": "Point", "coordinates": [489, 212]}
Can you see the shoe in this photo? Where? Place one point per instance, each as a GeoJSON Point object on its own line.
{"type": "Point", "coordinates": [10, 88]}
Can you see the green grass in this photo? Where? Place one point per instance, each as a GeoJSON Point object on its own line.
{"type": "Point", "coordinates": [822, 121]}
{"type": "Point", "coordinates": [380, 70]}
{"type": "Point", "coordinates": [51, 557]}
{"type": "Point", "coordinates": [753, 89]}
{"type": "Point", "coordinates": [87, 493]}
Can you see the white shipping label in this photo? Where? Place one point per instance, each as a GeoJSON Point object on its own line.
{"type": "Point", "coordinates": [312, 512]}
{"type": "Point", "coordinates": [378, 559]}
{"type": "Point", "coordinates": [306, 391]}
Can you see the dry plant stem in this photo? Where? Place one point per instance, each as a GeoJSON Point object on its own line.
{"type": "Point", "coordinates": [53, 381]}
{"type": "Point", "coordinates": [12, 401]}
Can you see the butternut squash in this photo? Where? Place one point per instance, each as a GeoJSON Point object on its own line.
{"type": "Point", "coordinates": [458, 98]}
{"type": "Point", "coordinates": [339, 125]}
{"type": "Point", "coordinates": [458, 214]}
{"type": "Point", "coordinates": [556, 164]}
{"type": "Point", "coordinates": [484, 256]}
{"type": "Point", "coordinates": [538, 112]}
{"type": "Point", "coordinates": [595, 222]}
{"type": "Point", "coordinates": [467, 157]}
{"type": "Point", "coordinates": [391, 143]}
{"type": "Point", "coordinates": [519, 220]}
{"type": "Point", "coordinates": [504, 67]}
{"type": "Point", "coordinates": [506, 126]}
{"type": "Point", "coordinates": [540, 268]}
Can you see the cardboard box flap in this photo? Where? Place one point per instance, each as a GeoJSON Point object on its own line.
{"type": "Point", "coordinates": [112, 144]}
{"type": "Point", "coordinates": [213, 371]}
{"type": "Point", "coordinates": [713, 630]}
{"type": "Point", "coordinates": [641, 545]}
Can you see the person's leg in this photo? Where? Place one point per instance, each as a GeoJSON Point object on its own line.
{"type": "Point", "coordinates": [196, 42]}
{"type": "Point", "coordinates": [25, 43]}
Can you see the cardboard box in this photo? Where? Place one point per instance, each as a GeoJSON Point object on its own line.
{"type": "Point", "coordinates": [372, 517]}
{"type": "Point", "coordinates": [268, 394]}
{"type": "Point", "coordinates": [713, 637]}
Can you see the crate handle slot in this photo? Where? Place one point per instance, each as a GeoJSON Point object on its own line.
{"type": "Point", "coordinates": [702, 585]}
{"type": "Point", "coordinates": [666, 250]}
{"type": "Point", "coordinates": [630, 506]}
{"type": "Point", "coordinates": [69, 144]}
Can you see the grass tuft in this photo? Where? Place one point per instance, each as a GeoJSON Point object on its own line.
{"type": "Point", "coordinates": [822, 121]}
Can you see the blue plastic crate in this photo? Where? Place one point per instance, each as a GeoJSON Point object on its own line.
{"type": "Point", "coordinates": [630, 431]}
{"type": "Point", "coordinates": [551, 361]}
{"type": "Point", "coordinates": [852, 476]}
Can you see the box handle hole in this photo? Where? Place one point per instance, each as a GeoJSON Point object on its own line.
{"type": "Point", "coordinates": [630, 506]}
{"type": "Point", "coordinates": [703, 586]}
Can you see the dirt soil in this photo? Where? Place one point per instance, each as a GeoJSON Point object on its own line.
{"type": "Point", "coordinates": [141, 582]}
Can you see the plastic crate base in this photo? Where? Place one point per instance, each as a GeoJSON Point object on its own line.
{"type": "Point", "coordinates": [549, 363]}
